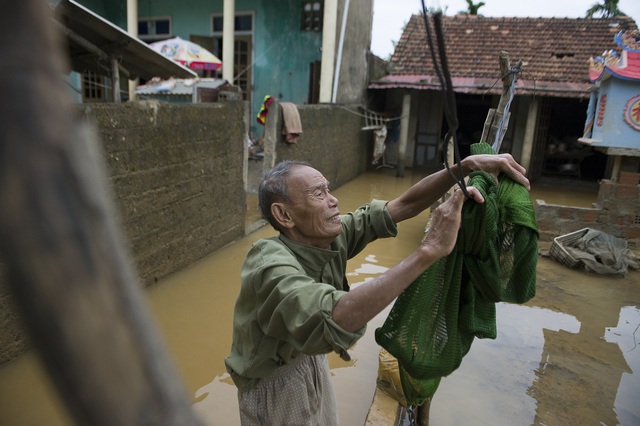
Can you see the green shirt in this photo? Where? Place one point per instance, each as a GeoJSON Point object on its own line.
{"type": "Point", "coordinates": [287, 295]}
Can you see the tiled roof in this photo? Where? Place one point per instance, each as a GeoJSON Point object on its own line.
{"type": "Point", "coordinates": [555, 52]}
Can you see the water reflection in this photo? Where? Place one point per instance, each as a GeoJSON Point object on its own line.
{"type": "Point", "coordinates": [627, 335]}
{"type": "Point", "coordinates": [495, 377]}
{"type": "Point", "coordinates": [569, 356]}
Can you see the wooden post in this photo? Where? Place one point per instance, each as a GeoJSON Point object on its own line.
{"type": "Point", "coordinates": [115, 80]}
{"type": "Point", "coordinates": [617, 161]}
{"type": "Point", "coordinates": [529, 134]}
{"type": "Point", "coordinates": [494, 117]}
{"type": "Point", "coordinates": [69, 271]}
{"type": "Point", "coordinates": [404, 133]}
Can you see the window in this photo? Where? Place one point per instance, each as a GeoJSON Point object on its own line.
{"type": "Point", "coordinates": [243, 48]}
{"type": "Point", "coordinates": [312, 16]}
{"type": "Point", "coordinates": [154, 28]}
{"type": "Point", "coordinates": [243, 24]}
{"type": "Point", "coordinates": [93, 87]}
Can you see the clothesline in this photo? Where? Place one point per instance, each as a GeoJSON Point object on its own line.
{"type": "Point", "coordinates": [373, 119]}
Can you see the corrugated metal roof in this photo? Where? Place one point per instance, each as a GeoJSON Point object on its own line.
{"type": "Point", "coordinates": [82, 26]}
{"type": "Point", "coordinates": [179, 87]}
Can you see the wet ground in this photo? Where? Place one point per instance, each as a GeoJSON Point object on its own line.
{"type": "Point", "coordinates": [569, 356]}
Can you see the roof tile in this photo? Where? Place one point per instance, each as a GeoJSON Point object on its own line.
{"type": "Point", "coordinates": [554, 50]}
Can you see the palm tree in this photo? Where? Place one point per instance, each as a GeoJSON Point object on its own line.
{"type": "Point", "coordinates": [473, 8]}
{"type": "Point", "coordinates": [606, 9]}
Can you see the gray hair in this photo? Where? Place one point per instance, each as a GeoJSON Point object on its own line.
{"type": "Point", "coordinates": [273, 188]}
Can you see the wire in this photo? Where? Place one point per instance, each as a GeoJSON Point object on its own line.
{"type": "Point", "coordinates": [385, 119]}
{"type": "Point", "coordinates": [450, 112]}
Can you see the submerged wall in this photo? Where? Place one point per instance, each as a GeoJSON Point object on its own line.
{"type": "Point", "coordinates": [617, 212]}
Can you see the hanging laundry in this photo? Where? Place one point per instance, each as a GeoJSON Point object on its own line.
{"type": "Point", "coordinates": [264, 109]}
{"type": "Point", "coordinates": [432, 324]}
{"type": "Point", "coordinates": [380, 135]}
{"type": "Point", "coordinates": [292, 126]}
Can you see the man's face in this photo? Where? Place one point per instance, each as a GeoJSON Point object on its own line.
{"type": "Point", "coordinates": [313, 210]}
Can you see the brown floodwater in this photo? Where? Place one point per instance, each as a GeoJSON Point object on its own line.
{"type": "Point", "coordinates": [568, 356]}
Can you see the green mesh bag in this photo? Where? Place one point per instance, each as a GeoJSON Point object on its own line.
{"type": "Point", "coordinates": [432, 324]}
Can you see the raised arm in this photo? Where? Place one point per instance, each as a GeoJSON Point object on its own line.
{"type": "Point", "coordinates": [362, 303]}
{"type": "Point", "coordinates": [424, 193]}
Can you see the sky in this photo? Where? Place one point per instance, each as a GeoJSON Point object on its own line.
{"type": "Point", "coordinates": [390, 16]}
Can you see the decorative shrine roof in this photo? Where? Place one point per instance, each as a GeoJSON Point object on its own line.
{"type": "Point", "coordinates": [625, 65]}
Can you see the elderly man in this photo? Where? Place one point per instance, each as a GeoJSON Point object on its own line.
{"type": "Point", "coordinates": [295, 306]}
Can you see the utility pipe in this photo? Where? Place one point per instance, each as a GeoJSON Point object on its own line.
{"type": "Point", "coordinates": [328, 49]}
{"type": "Point", "coordinates": [336, 78]}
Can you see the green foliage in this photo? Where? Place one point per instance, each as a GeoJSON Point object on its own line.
{"type": "Point", "coordinates": [473, 8]}
{"type": "Point", "coordinates": [606, 9]}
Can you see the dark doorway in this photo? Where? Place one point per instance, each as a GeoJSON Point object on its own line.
{"type": "Point", "coordinates": [564, 155]}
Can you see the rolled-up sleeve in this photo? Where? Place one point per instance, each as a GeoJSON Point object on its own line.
{"type": "Point", "coordinates": [297, 311]}
{"type": "Point", "coordinates": [367, 224]}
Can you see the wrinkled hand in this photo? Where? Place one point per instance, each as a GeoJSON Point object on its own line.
{"type": "Point", "coordinates": [445, 223]}
{"type": "Point", "coordinates": [495, 164]}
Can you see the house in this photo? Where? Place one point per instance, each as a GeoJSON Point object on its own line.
{"type": "Point", "coordinates": [613, 117]}
{"type": "Point", "coordinates": [96, 47]}
{"type": "Point", "coordinates": [294, 50]}
{"type": "Point", "coordinates": [551, 92]}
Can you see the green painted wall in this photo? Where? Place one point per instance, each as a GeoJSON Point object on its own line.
{"type": "Point", "coordinates": [282, 53]}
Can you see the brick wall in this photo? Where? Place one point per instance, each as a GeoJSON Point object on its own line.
{"type": "Point", "coordinates": [176, 171]}
{"type": "Point", "coordinates": [617, 212]}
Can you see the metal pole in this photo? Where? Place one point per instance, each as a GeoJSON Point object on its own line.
{"type": "Point", "coordinates": [328, 49]}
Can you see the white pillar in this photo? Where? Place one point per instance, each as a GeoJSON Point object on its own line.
{"type": "Point", "coordinates": [336, 78]}
{"type": "Point", "coordinates": [404, 133]}
{"type": "Point", "coordinates": [529, 134]}
{"type": "Point", "coordinates": [329, 20]}
{"type": "Point", "coordinates": [228, 39]}
{"type": "Point", "coordinates": [132, 29]}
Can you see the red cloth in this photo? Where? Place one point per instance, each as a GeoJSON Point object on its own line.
{"type": "Point", "coordinates": [264, 109]}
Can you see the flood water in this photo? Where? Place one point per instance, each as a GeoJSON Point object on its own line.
{"type": "Point", "coordinates": [569, 356]}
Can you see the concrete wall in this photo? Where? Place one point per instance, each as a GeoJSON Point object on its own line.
{"type": "Point", "coordinates": [617, 213]}
{"type": "Point", "coordinates": [332, 142]}
{"type": "Point", "coordinates": [178, 175]}
{"type": "Point", "coordinates": [354, 62]}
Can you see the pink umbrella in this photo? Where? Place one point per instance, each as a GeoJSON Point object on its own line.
{"type": "Point", "coordinates": [187, 53]}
